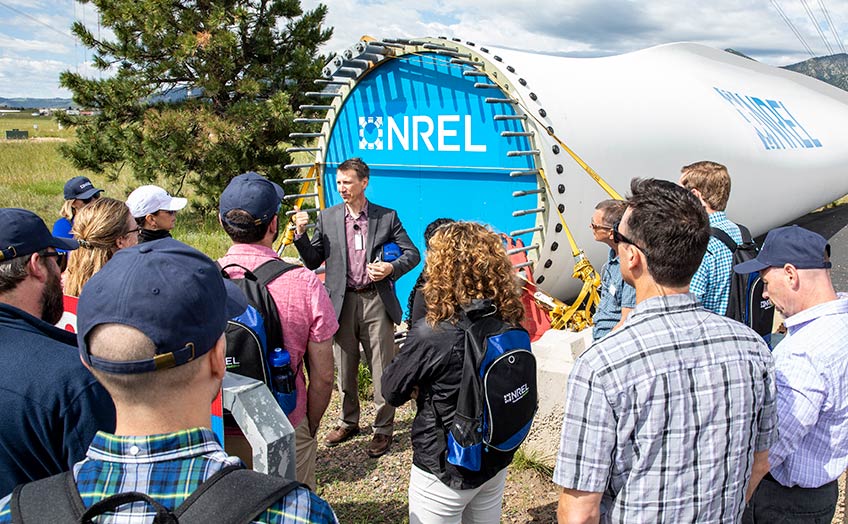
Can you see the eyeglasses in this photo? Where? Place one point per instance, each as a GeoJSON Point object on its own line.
{"type": "Point", "coordinates": [131, 231]}
{"type": "Point", "coordinates": [617, 237]}
{"type": "Point", "coordinates": [61, 259]}
{"type": "Point", "coordinates": [596, 227]}
{"type": "Point", "coordinates": [167, 211]}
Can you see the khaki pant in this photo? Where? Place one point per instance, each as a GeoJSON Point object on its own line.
{"type": "Point", "coordinates": [364, 320]}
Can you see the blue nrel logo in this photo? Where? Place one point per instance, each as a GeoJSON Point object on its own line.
{"type": "Point", "coordinates": [449, 133]}
{"type": "Point", "coordinates": [774, 124]}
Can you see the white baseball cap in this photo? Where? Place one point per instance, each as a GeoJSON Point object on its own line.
{"type": "Point", "coordinates": [147, 200]}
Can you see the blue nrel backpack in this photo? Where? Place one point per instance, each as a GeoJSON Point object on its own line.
{"type": "Point", "coordinates": [498, 396]}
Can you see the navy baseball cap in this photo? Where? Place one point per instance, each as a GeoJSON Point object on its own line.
{"type": "Point", "coordinates": [23, 232]}
{"type": "Point", "coordinates": [169, 291]}
{"type": "Point", "coordinates": [794, 245]}
{"type": "Point", "coordinates": [80, 188]}
{"type": "Point", "coordinates": [253, 193]}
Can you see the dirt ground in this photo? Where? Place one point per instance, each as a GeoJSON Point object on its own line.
{"type": "Point", "coordinates": [368, 491]}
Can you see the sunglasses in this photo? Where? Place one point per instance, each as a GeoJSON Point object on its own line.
{"type": "Point", "coordinates": [596, 227]}
{"type": "Point", "coordinates": [90, 199]}
{"type": "Point", "coordinates": [61, 259]}
{"type": "Point", "coordinates": [618, 238]}
{"type": "Point", "coordinates": [166, 211]}
{"type": "Point", "coordinates": [131, 231]}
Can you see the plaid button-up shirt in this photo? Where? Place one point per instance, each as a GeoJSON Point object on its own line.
{"type": "Point", "coordinates": [812, 397]}
{"type": "Point", "coordinates": [169, 468]}
{"type": "Point", "coordinates": [663, 416]}
{"type": "Point", "coordinates": [711, 282]}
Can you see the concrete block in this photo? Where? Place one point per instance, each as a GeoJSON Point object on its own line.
{"type": "Point", "coordinates": [555, 352]}
{"type": "Point", "coordinates": [265, 426]}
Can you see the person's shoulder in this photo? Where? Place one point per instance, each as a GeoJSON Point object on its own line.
{"type": "Point", "coordinates": [378, 209]}
{"type": "Point", "coordinates": [298, 506]}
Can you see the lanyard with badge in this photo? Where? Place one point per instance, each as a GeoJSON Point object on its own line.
{"type": "Point", "coordinates": [358, 242]}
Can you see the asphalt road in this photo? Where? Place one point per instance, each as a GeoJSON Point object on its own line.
{"type": "Point", "coordinates": [833, 225]}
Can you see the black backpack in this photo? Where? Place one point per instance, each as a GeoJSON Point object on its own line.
{"type": "Point", "coordinates": [247, 344]}
{"type": "Point", "coordinates": [497, 394]}
{"type": "Point", "coordinates": [746, 303]}
{"type": "Point", "coordinates": [232, 495]}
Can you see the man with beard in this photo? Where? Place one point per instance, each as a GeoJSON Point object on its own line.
{"type": "Point", "coordinates": [52, 405]}
{"type": "Point", "coordinates": [248, 213]}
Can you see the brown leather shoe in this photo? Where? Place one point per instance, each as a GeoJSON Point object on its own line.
{"type": "Point", "coordinates": [379, 445]}
{"type": "Point", "coordinates": [340, 434]}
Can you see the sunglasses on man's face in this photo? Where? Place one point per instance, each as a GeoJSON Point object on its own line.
{"type": "Point", "coordinates": [167, 212]}
{"type": "Point", "coordinates": [618, 238]}
{"type": "Point", "coordinates": [61, 259]}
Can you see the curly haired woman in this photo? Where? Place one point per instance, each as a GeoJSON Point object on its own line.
{"type": "Point", "coordinates": [467, 268]}
{"type": "Point", "coordinates": [102, 228]}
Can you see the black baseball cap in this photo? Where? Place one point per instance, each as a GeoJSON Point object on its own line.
{"type": "Point", "coordinates": [81, 188]}
{"type": "Point", "coordinates": [169, 291]}
{"type": "Point", "coordinates": [794, 245]}
{"type": "Point", "coordinates": [253, 193]}
{"type": "Point", "coordinates": [22, 232]}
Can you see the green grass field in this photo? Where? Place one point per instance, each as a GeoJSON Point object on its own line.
{"type": "Point", "coordinates": [36, 126]}
{"type": "Point", "coordinates": [33, 173]}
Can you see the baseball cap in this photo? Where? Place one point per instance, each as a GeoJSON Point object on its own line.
{"type": "Point", "coordinates": [169, 291]}
{"type": "Point", "coordinates": [794, 245]}
{"type": "Point", "coordinates": [23, 232]}
{"type": "Point", "coordinates": [253, 193]}
{"type": "Point", "coordinates": [150, 199]}
{"type": "Point", "coordinates": [81, 188]}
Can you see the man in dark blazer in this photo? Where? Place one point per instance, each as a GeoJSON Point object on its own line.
{"type": "Point", "coordinates": [350, 237]}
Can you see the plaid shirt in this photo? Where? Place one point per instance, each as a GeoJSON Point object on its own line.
{"type": "Point", "coordinates": [812, 397]}
{"type": "Point", "coordinates": [169, 468]}
{"type": "Point", "coordinates": [663, 415]}
{"type": "Point", "coordinates": [711, 282]}
{"type": "Point", "coordinates": [615, 294]}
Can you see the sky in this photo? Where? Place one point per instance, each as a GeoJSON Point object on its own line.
{"type": "Point", "coordinates": [36, 43]}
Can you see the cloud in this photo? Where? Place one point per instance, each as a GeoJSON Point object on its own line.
{"type": "Point", "coordinates": [583, 28]}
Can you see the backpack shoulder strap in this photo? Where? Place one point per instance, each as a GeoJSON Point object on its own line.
{"type": "Point", "coordinates": [746, 235]}
{"type": "Point", "coordinates": [726, 239]}
{"type": "Point", "coordinates": [235, 495]}
{"type": "Point", "coordinates": [54, 499]}
{"type": "Point", "coordinates": [271, 270]}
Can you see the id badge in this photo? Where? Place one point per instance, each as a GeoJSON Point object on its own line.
{"type": "Point", "coordinates": [357, 242]}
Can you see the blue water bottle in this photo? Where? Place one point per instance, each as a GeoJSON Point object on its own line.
{"type": "Point", "coordinates": [283, 380]}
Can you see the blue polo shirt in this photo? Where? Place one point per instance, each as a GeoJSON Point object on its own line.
{"type": "Point", "coordinates": [52, 406]}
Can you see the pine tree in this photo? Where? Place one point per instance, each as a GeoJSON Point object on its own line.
{"type": "Point", "coordinates": [196, 91]}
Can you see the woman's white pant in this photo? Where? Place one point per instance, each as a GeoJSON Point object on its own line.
{"type": "Point", "coordinates": [432, 502]}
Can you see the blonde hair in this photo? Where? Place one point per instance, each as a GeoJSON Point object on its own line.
{"type": "Point", "coordinates": [711, 179]}
{"type": "Point", "coordinates": [467, 261]}
{"type": "Point", "coordinates": [97, 227]}
{"type": "Point", "coordinates": [67, 210]}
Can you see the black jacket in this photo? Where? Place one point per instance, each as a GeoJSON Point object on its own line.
{"type": "Point", "coordinates": [432, 360]}
{"type": "Point", "coordinates": [51, 405]}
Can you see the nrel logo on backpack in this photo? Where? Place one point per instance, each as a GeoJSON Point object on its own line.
{"type": "Point", "coordinates": [497, 393]}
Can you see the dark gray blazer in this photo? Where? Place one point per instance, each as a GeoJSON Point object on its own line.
{"type": "Point", "coordinates": [329, 243]}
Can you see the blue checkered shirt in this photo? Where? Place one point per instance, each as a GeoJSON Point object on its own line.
{"type": "Point", "coordinates": [615, 294]}
{"type": "Point", "coordinates": [812, 397]}
{"type": "Point", "coordinates": [711, 282]}
{"type": "Point", "coordinates": [663, 415]}
{"type": "Point", "coordinates": [169, 468]}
